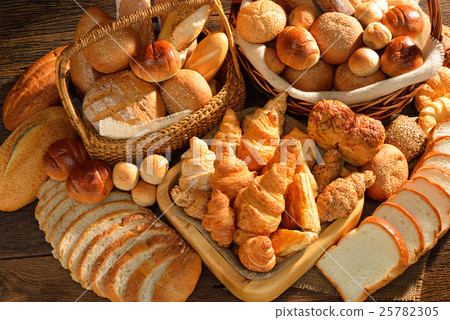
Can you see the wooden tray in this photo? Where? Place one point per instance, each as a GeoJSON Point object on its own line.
{"type": "Point", "coordinates": [245, 289]}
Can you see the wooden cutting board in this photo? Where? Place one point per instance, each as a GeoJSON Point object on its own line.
{"type": "Point", "coordinates": [245, 289]}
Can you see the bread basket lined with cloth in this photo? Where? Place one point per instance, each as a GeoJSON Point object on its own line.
{"type": "Point", "coordinates": [174, 136]}
{"type": "Point", "coordinates": [378, 100]}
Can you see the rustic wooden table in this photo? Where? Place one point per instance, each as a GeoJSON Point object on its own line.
{"type": "Point", "coordinates": [28, 272]}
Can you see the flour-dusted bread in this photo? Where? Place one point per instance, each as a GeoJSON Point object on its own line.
{"type": "Point", "coordinates": [423, 211]}
{"type": "Point", "coordinates": [436, 175]}
{"type": "Point", "coordinates": [437, 196]}
{"type": "Point", "coordinates": [365, 259]}
{"type": "Point", "coordinates": [406, 225]}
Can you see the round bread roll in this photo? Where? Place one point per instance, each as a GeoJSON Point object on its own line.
{"type": "Point", "coordinates": [125, 176]}
{"type": "Point", "coordinates": [297, 48]}
{"type": "Point", "coordinates": [157, 62]}
{"type": "Point", "coordinates": [401, 56]}
{"type": "Point", "coordinates": [112, 53]}
{"type": "Point", "coordinates": [302, 16]}
{"type": "Point", "coordinates": [317, 78]}
{"type": "Point", "coordinates": [187, 90]}
{"type": "Point", "coordinates": [338, 36]}
{"type": "Point", "coordinates": [289, 5]}
{"type": "Point", "coordinates": [364, 62]}
{"type": "Point", "coordinates": [404, 21]}
{"type": "Point", "coordinates": [368, 12]}
{"type": "Point", "coordinates": [260, 21]}
{"type": "Point", "coordinates": [390, 169]}
{"type": "Point", "coordinates": [273, 62]}
{"type": "Point", "coordinates": [153, 169]}
{"type": "Point", "coordinates": [346, 80]}
{"type": "Point", "coordinates": [382, 4]}
{"type": "Point", "coordinates": [377, 36]}
{"type": "Point", "coordinates": [90, 182]}
{"type": "Point", "coordinates": [144, 194]}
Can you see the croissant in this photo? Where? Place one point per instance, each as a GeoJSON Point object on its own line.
{"type": "Point", "coordinates": [197, 166]}
{"type": "Point", "coordinates": [257, 254]}
{"type": "Point", "coordinates": [219, 219]}
{"type": "Point", "coordinates": [231, 174]}
{"type": "Point", "coordinates": [229, 131]}
{"type": "Point", "coordinates": [286, 242]}
{"type": "Point", "coordinates": [309, 148]}
{"type": "Point", "coordinates": [301, 210]}
{"type": "Point", "coordinates": [433, 100]}
{"type": "Point", "coordinates": [287, 154]}
{"type": "Point", "coordinates": [193, 201]}
{"type": "Point", "coordinates": [340, 197]}
{"type": "Point", "coordinates": [326, 173]}
{"type": "Point", "coordinates": [240, 236]}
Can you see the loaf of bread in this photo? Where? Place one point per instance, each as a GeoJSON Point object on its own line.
{"type": "Point", "coordinates": [22, 153]}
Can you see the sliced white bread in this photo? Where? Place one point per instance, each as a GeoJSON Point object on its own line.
{"type": "Point", "coordinates": [71, 215]}
{"type": "Point", "coordinates": [423, 211]}
{"type": "Point", "coordinates": [365, 259]}
{"type": "Point", "coordinates": [437, 159]}
{"type": "Point", "coordinates": [442, 129]}
{"type": "Point", "coordinates": [45, 187]}
{"type": "Point", "coordinates": [98, 227]}
{"type": "Point", "coordinates": [102, 241]}
{"type": "Point", "coordinates": [46, 197]}
{"type": "Point", "coordinates": [77, 227]}
{"type": "Point", "coordinates": [50, 205]}
{"type": "Point", "coordinates": [437, 196]}
{"type": "Point", "coordinates": [441, 145]}
{"type": "Point", "coordinates": [406, 225]}
{"type": "Point", "coordinates": [56, 213]}
{"type": "Point", "coordinates": [436, 175]}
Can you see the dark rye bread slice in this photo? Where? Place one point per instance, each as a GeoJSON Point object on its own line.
{"type": "Point", "coordinates": [46, 186]}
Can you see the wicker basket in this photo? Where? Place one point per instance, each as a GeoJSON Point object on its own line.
{"type": "Point", "coordinates": [379, 109]}
{"type": "Point", "coordinates": [176, 136]}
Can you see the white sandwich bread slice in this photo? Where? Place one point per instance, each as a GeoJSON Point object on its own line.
{"type": "Point", "coordinates": [46, 197]}
{"type": "Point", "coordinates": [423, 211]}
{"type": "Point", "coordinates": [437, 196]}
{"type": "Point", "coordinates": [45, 187]}
{"type": "Point", "coordinates": [55, 215]}
{"type": "Point", "coordinates": [436, 175]}
{"type": "Point", "coordinates": [365, 259]}
{"type": "Point", "coordinates": [441, 145]}
{"type": "Point", "coordinates": [49, 206]}
{"type": "Point", "coordinates": [437, 159]}
{"type": "Point", "coordinates": [406, 225]}
{"type": "Point", "coordinates": [442, 129]}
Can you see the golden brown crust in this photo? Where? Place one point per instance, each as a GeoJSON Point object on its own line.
{"type": "Point", "coordinates": [404, 21]}
{"type": "Point", "coordinates": [286, 242]}
{"type": "Point", "coordinates": [273, 61]}
{"type": "Point", "coordinates": [240, 236]}
{"type": "Point", "coordinates": [257, 254]}
{"type": "Point", "coordinates": [229, 131]}
{"type": "Point", "coordinates": [329, 171]}
{"type": "Point", "coordinates": [193, 201]}
{"type": "Point", "coordinates": [401, 56]}
{"type": "Point", "coordinates": [377, 36]}
{"type": "Point", "coordinates": [346, 80]}
{"type": "Point", "coordinates": [317, 78]}
{"type": "Point", "coordinates": [302, 16]}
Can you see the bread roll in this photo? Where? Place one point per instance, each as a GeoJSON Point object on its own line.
{"type": "Point", "coordinates": [90, 182]}
{"type": "Point", "coordinates": [368, 12]}
{"type": "Point", "coordinates": [317, 78]}
{"type": "Point", "coordinates": [187, 90]}
{"type": "Point", "coordinates": [338, 36]}
{"type": "Point", "coordinates": [404, 21]}
{"type": "Point", "coordinates": [341, 6]}
{"type": "Point", "coordinates": [364, 62]}
{"type": "Point", "coordinates": [272, 61]}
{"type": "Point", "coordinates": [112, 54]}
{"type": "Point", "coordinates": [390, 168]}
{"type": "Point", "coordinates": [377, 36]}
{"type": "Point", "coordinates": [125, 176]}
{"type": "Point", "coordinates": [401, 56]}
{"type": "Point", "coordinates": [144, 194]}
{"type": "Point", "coordinates": [157, 62]}
{"type": "Point", "coordinates": [124, 97]}
{"type": "Point", "coordinates": [153, 169]}
{"type": "Point", "coordinates": [289, 5]}
{"type": "Point", "coordinates": [302, 16]}
{"type": "Point", "coordinates": [346, 80]}
{"type": "Point", "coordinates": [260, 21]}
{"type": "Point", "coordinates": [382, 4]}
{"type": "Point", "coordinates": [62, 156]}
{"type": "Point", "coordinates": [297, 48]}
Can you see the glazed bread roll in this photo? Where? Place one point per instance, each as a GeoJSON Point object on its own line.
{"type": "Point", "coordinates": [260, 21]}
{"type": "Point", "coordinates": [317, 78]}
{"type": "Point", "coordinates": [368, 12]}
{"type": "Point", "coordinates": [272, 61]}
{"type": "Point", "coordinates": [153, 169]}
{"type": "Point", "coordinates": [112, 53]}
{"type": "Point", "coordinates": [377, 36]}
{"type": "Point", "coordinates": [144, 194]}
{"type": "Point", "coordinates": [364, 62]}
{"type": "Point", "coordinates": [187, 90]}
{"type": "Point", "coordinates": [157, 62]}
{"type": "Point", "coordinates": [401, 55]}
{"type": "Point", "coordinates": [338, 36]}
{"type": "Point", "coordinates": [346, 80]}
{"type": "Point", "coordinates": [302, 16]}
{"type": "Point", "coordinates": [125, 176]}
{"type": "Point", "coordinates": [404, 21]}
{"type": "Point", "coordinates": [297, 48]}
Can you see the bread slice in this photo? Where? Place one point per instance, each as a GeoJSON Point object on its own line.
{"type": "Point", "coordinates": [71, 215]}
{"type": "Point", "coordinates": [423, 211]}
{"type": "Point", "coordinates": [56, 213]}
{"type": "Point", "coordinates": [49, 206]}
{"type": "Point", "coordinates": [406, 225]}
{"type": "Point", "coordinates": [81, 223]}
{"type": "Point", "coordinates": [436, 175]}
{"type": "Point", "coordinates": [365, 259]}
{"type": "Point", "coordinates": [437, 159]}
{"type": "Point", "coordinates": [442, 129]}
{"type": "Point", "coordinates": [46, 197]}
{"type": "Point", "coordinates": [441, 145]}
{"type": "Point", "coordinates": [45, 187]}
{"type": "Point", "coordinates": [437, 197]}
{"type": "Point", "coordinates": [102, 241]}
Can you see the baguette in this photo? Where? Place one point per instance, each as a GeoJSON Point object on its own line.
{"type": "Point", "coordinates": [21, 156]}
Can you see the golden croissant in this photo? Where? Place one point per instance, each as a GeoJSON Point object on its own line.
{"type": "Point", "coordinates": [219, 219]}
{"type": "Point", "coordinates": [231, 174]}
{"type": "Point", "coordinates": [329, 171]}
{"type": "Point", "coordinates": [193, 201]}
{"type": "Point", "coordinates": [309, 148]}
{"type": "Point", "coordinates": [240, 236]}
{"type": "Point", "coordinates": [229, 131]}
{"type": "Point", "coordinates": [257, 254]}
{"type": "Point", "coordinates": [286, 242]}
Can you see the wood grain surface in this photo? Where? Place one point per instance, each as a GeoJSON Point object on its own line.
{"type": "Point", "coordinates": [28, 272]}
